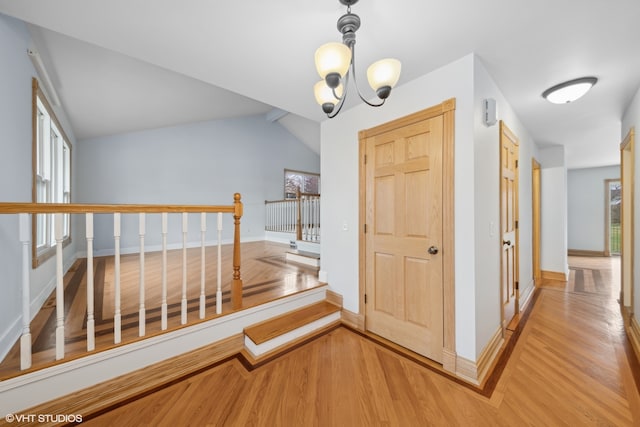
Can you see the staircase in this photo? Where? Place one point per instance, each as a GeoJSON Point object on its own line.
{"type": "Point", "coordinates": [266, 340]}
{"type": "Point", "coordinates": [304, 253]}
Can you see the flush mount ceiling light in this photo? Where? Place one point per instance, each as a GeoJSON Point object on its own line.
{"type": "Point", "coordinates": [566, 92]}
{"type": "Point", "coordinates": [336, 61]}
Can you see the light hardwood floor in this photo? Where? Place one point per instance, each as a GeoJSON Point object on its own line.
{"type": "Point", "coordinates": [571, 366]}
{"type": "Point", "coordinates": [265, 272]}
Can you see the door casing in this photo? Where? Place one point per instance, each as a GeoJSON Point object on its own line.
{"type": "Point", "coordinates": [447, 110]}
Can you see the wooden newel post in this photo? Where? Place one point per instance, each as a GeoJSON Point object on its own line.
{"type": "Point", "coordinates": [299, 215]}
{"type": "Point", "coordinates": [236, 285]}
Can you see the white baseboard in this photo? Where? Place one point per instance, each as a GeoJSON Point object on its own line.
{"type": "Point", "coordinates": [28, 390]}
{"type": "Point", "coordinates": [170, 246]}
{"type": "Point", "coordinates": [279, 237]}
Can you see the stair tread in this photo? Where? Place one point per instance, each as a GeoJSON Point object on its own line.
{"type": "Point", "coordinates": [305, 254]}
{"type": "Point", "coordinates": [280, 325]}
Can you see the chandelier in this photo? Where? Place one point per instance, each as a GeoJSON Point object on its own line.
{"type": "Point", "coordinates": [336, 61]}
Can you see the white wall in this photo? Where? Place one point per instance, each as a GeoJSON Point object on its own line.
{"type": "Point", "coordinates": [586, 206]}
{"type": "Point", "coordinates": [340, 166]}
{"type": "Point", "coordinates": [488, 241]}
{"type": "Point", "coordinates": [199, 163]}
{"type": "Point", "coordinates": [553, 251]}
{"type": "Point", "coordinates": [16, 73]}
{"type": "Point", "coordinates": [631, 119]}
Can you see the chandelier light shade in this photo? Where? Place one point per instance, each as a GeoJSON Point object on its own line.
{"type": "Point", "coordinates": [325, 95]}
{"type": "Point", "coordinates": [569, 91]}
{"type": "Point", "coordinates": [335, 62]}
{"type": "Point", "coordinates": [383, 74]}
{"type": "Point", "coordinates": [333, 57]}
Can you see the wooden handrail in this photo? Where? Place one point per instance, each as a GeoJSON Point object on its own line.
{"type": "Point", "coordinates": [24, 210]}
{"type": "Point", "coordinates": [76, 208]}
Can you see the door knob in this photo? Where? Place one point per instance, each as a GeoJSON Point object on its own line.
{"type": "Point", "coordinates": [433, 250]}
{"type": "Point", "coordinates": [506, 242]}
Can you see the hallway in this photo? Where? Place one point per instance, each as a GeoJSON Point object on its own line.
{"type": "Point", "coordinates": [571, 365]}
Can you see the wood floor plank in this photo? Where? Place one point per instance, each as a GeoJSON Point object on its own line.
{"type": "Point", "coordinates": [568, 367]}
{"type": "Point", "coordinates": [266, 276]}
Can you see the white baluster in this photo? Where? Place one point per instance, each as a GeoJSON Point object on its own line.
{"type": "Point", "coordinates": [58, 223]}
{"type": "Point", "coordinates": [25, 339]}
{"type": "Point", "coordinates": [117, 321]}
{"type": "Point", "coordinates": [183, 311]}
{"type": "Point", "coordinates": [91, 329]}
{"type": "Point", "coordinates": [164, 272]}
{"type": "Point", "coordinates": [203, 232]}
{"type": "Point", "coordinates": [142, 319]}
{"type": "Point", "coordinates": [219, 288]}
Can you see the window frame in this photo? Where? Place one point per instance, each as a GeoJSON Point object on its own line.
{"type": "Point", "coordinates": [287, 172]}
{"type": "Point", "coordinates": [58, 174]}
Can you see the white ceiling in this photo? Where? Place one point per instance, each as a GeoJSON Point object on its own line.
{"type": "Point", "coordinates": [124, 65]}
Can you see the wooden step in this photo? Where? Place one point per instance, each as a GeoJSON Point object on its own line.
{"type": "Point", "coordinates": [273, 334]}
{"type": "Point", "coordinates": [311, 259]}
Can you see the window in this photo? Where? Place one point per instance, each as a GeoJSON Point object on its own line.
{"type": "Point", "coordinates": [51, 175]}
{"type": "Point", "coordinates": [307, 182]}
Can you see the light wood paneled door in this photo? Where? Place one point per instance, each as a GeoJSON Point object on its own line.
{"type": "Point", "coordinates": [404, 266]}
{"type": "Point", "coordinates": [509, 222]}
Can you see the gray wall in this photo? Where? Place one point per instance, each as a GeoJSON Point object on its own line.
{"type": "Point", "coordinates": [199, 163]}
{"type": "Point", "coordinates": [631, 120]}
{"type": "Point", "coordinates": [15, 171]}
{"type": "Point", "coordinates": [16, 72]}
{"type": "Point", "coordinates": [586, 206]}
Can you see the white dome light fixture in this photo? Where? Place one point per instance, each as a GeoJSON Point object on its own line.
{"type": "Point", "coordinates": [567, 92]}
{"type": "Point", "coordinates": [336, 61]}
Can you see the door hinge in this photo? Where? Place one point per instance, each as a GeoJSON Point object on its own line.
{"type": "Point", "coordinates": [365, 228]}
{"type": "Point", "coordinates": [365, 298]}
{"type": "Point", "coordinates": [517, 286]}
{"type": "Point", "coordinates": [516, 224]}
{"type": "Point", "coordinates": [516, 164]}
{"type": "Point", "coordinates": [365, 159]}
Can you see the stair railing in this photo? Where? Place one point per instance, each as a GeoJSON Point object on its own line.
{"type": "Point", "coordinates": [59, 210]}
{"type": "Point", "coordinates": [300, 216]}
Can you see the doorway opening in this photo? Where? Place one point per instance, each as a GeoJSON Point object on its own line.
{"type": "Point", "coordinates": [613, 192]}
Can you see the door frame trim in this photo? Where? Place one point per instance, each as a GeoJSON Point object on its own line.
{"type": "Point", "coordinates": [447, 110]}
{"type": "Point", "coordinates": [536, 229]}
{"type": "Point", "coordinates": [627, 170]}
{"type": "Point", "coordinates": [607, 213]}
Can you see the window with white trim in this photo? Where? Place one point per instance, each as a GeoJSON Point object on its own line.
{"type": "Point", "coordinates": [51, 175]}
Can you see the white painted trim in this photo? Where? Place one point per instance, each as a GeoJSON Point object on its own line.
{"type": "Point", "coordinates": [323, 276]}
{"type": "Point", "coordinates": [302, 259]}
{"type": "Point", "coordinates": [260, 349]}
{"type": "Point", "coordinates": [28, 390]}
{"type": "Point", "coordinates": [279, 237]}
{"type": "Point", "coordinates": [12, 334]}
{"type": "Point", "coordinates": [312, 247]}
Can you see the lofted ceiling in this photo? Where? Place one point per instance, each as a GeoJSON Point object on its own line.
{"type": "Point", "coordinates": [127, 65]}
